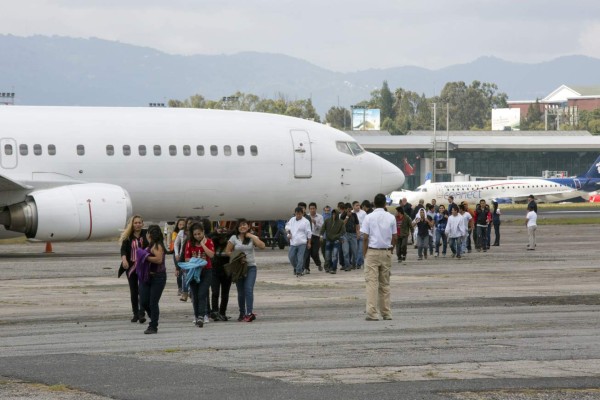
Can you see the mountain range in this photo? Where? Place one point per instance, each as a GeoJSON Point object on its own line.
{"type": "Point", "coordinates": [55, 70]}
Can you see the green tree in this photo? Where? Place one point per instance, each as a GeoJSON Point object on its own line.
{"type": "Point", "coordinates": [386, 102]}
{"type": "Point", "coordinates": [339, 117]}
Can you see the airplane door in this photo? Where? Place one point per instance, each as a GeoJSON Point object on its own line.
{"type": "Point", "coordinates": [8, 153]}
{"type": "Point", "coordinates": [302, 154]}
{"type": "Point", "coordinates": [577, 184]}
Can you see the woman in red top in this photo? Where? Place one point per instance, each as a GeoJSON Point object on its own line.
{"type": "Point", "coordinates": [200, 246]}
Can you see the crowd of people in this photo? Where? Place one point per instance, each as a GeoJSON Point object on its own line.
{"type": "Point", "coordinates": [349, 237]}
{"type": "Point", "coordinates": [206, 263]}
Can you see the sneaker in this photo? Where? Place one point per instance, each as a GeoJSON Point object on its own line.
{"type": "Point", "coordinates": [135, 318]}
{"type": "Point", "coordinates": [458, 256]}
{"type": "Point", "coordinates": [320, 268]}
{"type": "Point", "coordinates": [150, 330]}
{"type": "Point", "coordinates": [206, 319]}
{"type": "Point", "coordinates": [142, 318]}
{"type": "Point", "coordinates": [333, 271]}
{"type": "Point", "coordinates": [249, 317]}
{"type": "Point", "coordinates": [223, 317]}
{"type": "Point", "coordinates": [184, 297]}
{"type": "Point", "coordinates": [200, 322]}
{"type": "Point", "coordinates": [241, 317]}
{"type": "Point", "coordinates": [437, 254]}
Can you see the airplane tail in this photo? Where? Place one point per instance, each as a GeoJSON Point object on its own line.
{"type": "Point", "coordinates": [594, 171]}
{"type": "Point", "coordinates": [429, 175]}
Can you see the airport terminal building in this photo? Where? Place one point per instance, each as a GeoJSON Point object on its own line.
{"type": "Point", "coordinates": [469, 155]}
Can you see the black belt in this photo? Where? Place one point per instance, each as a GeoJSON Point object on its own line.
{"type": "Point", "coordinates": [375, 248]}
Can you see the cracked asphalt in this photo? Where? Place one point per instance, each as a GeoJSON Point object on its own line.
{"type": "Point", "coordinates": [507, 324]}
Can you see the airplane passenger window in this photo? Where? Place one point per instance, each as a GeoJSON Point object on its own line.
{"type": "Point", "coordinates": [200, 150]}
{"type": "Point", "coordinates": [51, 149]}
{"type": "Point", "coordinates": [23, 150]}
{"type": "Point", "coordinates": [214, 150]}
{"type": "Point", "coordinates": [80, 150]}
{"type": "Point", "coordinates": [37, 149]}
{"type": "Point", "coordinates": [126, 150]}
{"type": "Point", "coordinates": [142, 150]}
{"type": "Point", "coordinates": [173, 150]}
{"type": "Point", "coordinates": [240, 150]}
{"type": "Point", "coordinates": [110, 150]}
{"type": "Point", "coordinates": [355, 147]}
{"type": "Point", "coordinates": [157, 150]}
{"type": "Point", "coordinates": [227, 150]}
{"type": "Point", "coordinates": [187, 150]}
{"type": "Point", "coordinates": [8, 150]}
{"type": "Point", "coordinates": [254, 150]}
{"type": "Point", "coordinates": [343, 147]}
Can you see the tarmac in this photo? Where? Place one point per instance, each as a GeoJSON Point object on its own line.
{"type": "Point", "coordinates": [506, 324]}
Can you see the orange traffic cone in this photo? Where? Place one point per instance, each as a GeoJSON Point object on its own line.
{"type": "Point", "coordinates": [48, 248]}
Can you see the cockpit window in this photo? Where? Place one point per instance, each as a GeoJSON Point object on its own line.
{"type": "Point", "coordinates": [355, 147]}
{"type": "Point", "coordinates": [343, 147]}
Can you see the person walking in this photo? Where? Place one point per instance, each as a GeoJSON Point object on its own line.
{"type": "Point", "coordinates": [440, 219]}
{"type": "Point", "coordinates": [331, 234]}
{"type": "Point", "coordinates": [245, 242]}
{"type": "Point", "coordinates": [531, 223]}
{"type": "Point", "coordinates": [455, 230]}
{"type": "Point", "coordinates": [423, 224]}
{"type": "Point", "coordinates": [133, 238]}
{"type": "Point", "coordinates": [299, 233]}
{"type": "Point", "coordinates": [379, 230]}
{"type": "Point", "coordinates": [152, 275]}
{"type": "Point", "coordinates": [404, 230]}
{"type": "Point", "coordinates": [496, 222]}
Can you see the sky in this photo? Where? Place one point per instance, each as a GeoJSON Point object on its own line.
{"type": "Point", "coordinates": [340, 35]}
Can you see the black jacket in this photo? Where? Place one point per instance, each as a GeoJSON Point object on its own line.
{"type": "Point", "coordinates": [126, 249]}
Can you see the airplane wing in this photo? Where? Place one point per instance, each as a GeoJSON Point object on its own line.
{"type": "Point", "coordinates": [546, 197]}
{"type": "Point", "coordinates": [7, 184]}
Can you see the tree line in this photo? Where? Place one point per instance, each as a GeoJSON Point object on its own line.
{"type": "Point", "coordinates": [469, 108]}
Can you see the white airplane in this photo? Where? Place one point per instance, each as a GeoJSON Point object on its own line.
{"type": "Point", "coordinates": [544, 190]}
{"type": "Point", "coordinates": [78, 173]}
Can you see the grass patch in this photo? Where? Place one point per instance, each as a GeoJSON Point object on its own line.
{"type": "Point", "coordinates": [172, 350]}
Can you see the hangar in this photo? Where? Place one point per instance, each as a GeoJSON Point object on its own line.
{"type": "Point", "coordinates": [463, 155]}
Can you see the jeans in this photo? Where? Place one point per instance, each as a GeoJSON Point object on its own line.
{"type": "Point", "coordinates": [331, 253]}
{"type": "Point", "coordinates": [313, 252]}
{"type": "Point", "coordinates": [220, 286]}
{"type": "Point", "coordinates": [497, 233]}
{"type": "Point", "coordinates": [349, 249]}
{"type": "Point", "coordinates": [245, 288]}
{"type": "Point", "coordinates": [360, 259]}
{"type": "Point", "coordinates": [422, 244]}
{"type": "Point", "coordinates": [134, 292]}
{"type": "Point", "coordinates": [150, 293]}
{"type": "Point", "coordinates": [456, 245]}
{"type": "Point", "coordinates": [401, 247]}
{"type": "Point", "coordinates": [200, 292]}
{"type": "Point", "coordinates": [296, 256]}
{"type": "Point", "coordinates": [440, 238]}
{"type": "Point", "coordinates": [482, 242]}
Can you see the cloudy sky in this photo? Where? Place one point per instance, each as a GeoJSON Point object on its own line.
{"type": "Point", "coordinates": [342, 35]}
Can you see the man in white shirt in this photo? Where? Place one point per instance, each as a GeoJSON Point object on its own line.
{"type": "Point", "coordinates": [467, 222]}
{"type": "Point", "coordinates": [298, 233]}
{"type": "Point", "coordinates": [531, 226]}
{"type": "Point", "coordinates": [379, 238]}
{"type": "Point", "coordinates": [455, 229]}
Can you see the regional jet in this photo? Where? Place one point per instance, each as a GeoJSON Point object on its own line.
{"type": "Point", "coordinates": [544, 190]}
{"type": "Point", "coordinates": [78, 173]}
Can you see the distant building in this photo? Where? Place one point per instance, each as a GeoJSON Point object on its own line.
{"type": "Point", "coordinates": [565, 101]}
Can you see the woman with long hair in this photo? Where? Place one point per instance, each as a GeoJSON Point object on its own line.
{"type": "Point", "coordinates": [200, 246]}
{"type": "Point", "coordinates": [152, 285]}
{"type": "Point", "coordinates": [245, 242]}
{"type": "Point", "coordinates": [179, 226]}
{"type": "Point", "coordinates": [182, 237]}
{"type": "Point", "coordinates": [133, 238]}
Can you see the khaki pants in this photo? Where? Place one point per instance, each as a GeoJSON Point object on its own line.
{"type": "Point", "coordinates": [378, 264]}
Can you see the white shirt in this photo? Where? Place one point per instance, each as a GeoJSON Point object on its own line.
{"type": "Point", "coordinates": [531, 219]}
{"type": "Point", "coordinates": [380, 225]}
{"type": "Point", "coordinates": [466, 218]}
{"type": "Point", "coordinates": [361, 214]}
{"type": "Point", "coordinates": [317, 223]}
{"type": "Point", "coordinates": [455, 227]}
{"type": "Point", "coordinates": [300, 231]}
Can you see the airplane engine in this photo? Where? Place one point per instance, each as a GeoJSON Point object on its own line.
{"type": "Point", "coordinates": [70, 213]}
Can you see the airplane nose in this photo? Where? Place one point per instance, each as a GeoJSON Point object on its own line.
{"type": "Point", "coordinates": [392, 177]}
